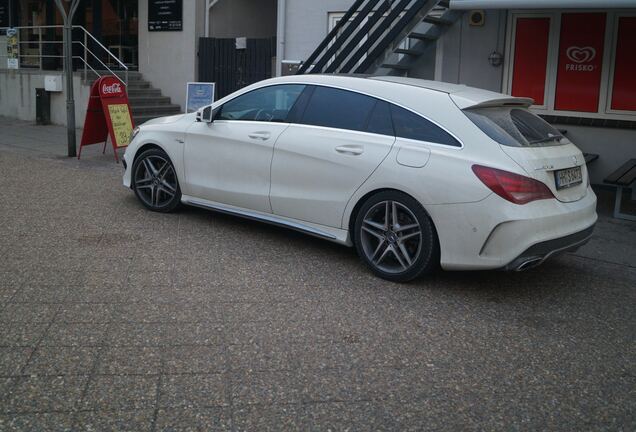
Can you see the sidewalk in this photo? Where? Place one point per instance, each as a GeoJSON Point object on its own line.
{"type": "Point", "coordinates": [614, 240]}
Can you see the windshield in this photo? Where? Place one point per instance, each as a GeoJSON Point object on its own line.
{"type": "Point", "coordinates": [515, 127]}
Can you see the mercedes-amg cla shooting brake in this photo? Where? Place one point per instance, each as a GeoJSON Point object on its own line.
{"type": "Point", "coordinates": [413, 173]}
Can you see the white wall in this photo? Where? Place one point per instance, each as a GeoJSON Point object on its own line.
{"type": "Point", "coordinates": [169, 59]}
{"type": "Point", "coordinates": [17, 96]}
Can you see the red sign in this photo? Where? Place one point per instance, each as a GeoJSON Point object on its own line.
{"type": "Point", "coordinates": [108, 113]}
{"type": "Point", "coordinates": [624, 87]}
{"type": "Point", "coordinates": [531, 58]}
{"type": "Point", "coordinates": [580, 62]}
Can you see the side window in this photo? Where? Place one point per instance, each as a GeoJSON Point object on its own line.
{"type": "Point", "coordinates": [412, 126]}
{"type": "Point", "coordinates": [380, 119]}
{"type": "Point", "coordinates": [268, 104]}
{"type": "Point", "coordinates": [340, 109]}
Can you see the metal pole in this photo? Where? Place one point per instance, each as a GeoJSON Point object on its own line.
{"type": "Point", "coordinates": [68, 71]}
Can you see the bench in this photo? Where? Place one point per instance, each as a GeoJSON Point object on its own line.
{"type": "Point", "coordinates": [623, 178]}
{"type": "Point", "coordinates": [589, 157]}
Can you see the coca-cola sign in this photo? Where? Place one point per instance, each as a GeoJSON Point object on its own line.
{"type": "Point", "coordinates": [111, 88]}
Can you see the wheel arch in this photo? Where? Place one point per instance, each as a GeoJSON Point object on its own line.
{"type": "Point", "coordinates": [356, 208]}
{"type": "Point", "coordinates": [144, 147]}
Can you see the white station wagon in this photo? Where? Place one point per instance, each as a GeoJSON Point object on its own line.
{"type": "Point", "coordinates": [415, 174]}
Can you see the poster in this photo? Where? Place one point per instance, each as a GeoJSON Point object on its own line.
{"type": "Point", "coordinates": [199, 95]}
{"type": "Point", "coordinates": [122, 126]}
{"type": "Point", "coordinates": [13, 50]}
{"type": "Point", "coordinates": [165, 15]}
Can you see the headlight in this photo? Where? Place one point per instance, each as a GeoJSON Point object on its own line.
{"type": "Point", "coordinates": [133, 134]}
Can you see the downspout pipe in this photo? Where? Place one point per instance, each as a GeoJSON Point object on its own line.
{"type": "Point", "coordinates": [280, 35]}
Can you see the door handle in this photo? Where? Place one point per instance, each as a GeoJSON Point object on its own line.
{"type": "Point", "coordinates": [260, 135]}
{"type": "Point", "coordinates": [350, 150]}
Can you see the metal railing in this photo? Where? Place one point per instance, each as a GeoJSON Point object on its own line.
{"type": "Point", "coordinates": [88, 57]}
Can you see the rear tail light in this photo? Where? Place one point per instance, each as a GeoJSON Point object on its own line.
{"type": "Point", "coordinates": [513, 187]}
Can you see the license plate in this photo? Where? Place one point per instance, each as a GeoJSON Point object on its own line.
{"type": "Point", "coordinates": [566, 178]}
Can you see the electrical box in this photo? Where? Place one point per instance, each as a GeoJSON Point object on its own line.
{"type": "Point", "coordinates": [53, 83]}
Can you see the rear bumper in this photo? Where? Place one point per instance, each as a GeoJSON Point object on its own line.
{"type": "Point", "coordinates": [538, 253]}
{"type": "Point", "coordinates": [494, 234]}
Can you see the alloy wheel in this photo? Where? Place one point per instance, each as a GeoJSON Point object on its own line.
{"type": "Point", "coordinates": [155, 181]}
{"type": "Point", "coordinates": [391, 237]}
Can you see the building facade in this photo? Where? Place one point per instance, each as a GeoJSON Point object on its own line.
{"type": "Point", "coordinates": [574, 61]}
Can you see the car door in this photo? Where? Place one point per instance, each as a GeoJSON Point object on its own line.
{"type": "Point", "coordinates": [323, 157]}
{"type": "Point", "coordinates": [228, 161]}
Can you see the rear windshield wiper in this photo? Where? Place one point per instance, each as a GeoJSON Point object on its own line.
{"type": "Point", "coordinates": [550, 138]}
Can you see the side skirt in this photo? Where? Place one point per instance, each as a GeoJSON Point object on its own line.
{"type": "Point", "coordinates": [337, 235]}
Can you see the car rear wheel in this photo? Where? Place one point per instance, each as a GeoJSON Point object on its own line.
{"type": "Point", "coordinates": [155, 181]}
{"type": "Point", "coordinates": [395, 237]}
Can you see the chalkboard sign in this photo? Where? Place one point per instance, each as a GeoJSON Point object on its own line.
{"type": "Point", "coordinates": [165, 15]}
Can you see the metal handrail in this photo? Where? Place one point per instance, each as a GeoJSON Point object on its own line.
{"type": "Point", "coordinates": [84, 45]}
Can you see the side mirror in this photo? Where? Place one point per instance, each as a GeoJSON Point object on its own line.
{"type": "Point", "coordinates": [206, 114]}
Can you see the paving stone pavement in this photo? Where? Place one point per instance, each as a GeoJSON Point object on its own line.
{"type": "Point", "coordinates": [116, 318]}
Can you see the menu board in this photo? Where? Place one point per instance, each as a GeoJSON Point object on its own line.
{"type": "Point", "coordinates": [165, 15]}
{"type": "Point", "coordinates": [122, 126]}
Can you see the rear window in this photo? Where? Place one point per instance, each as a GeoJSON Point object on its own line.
{"type": "Point", "coordinates": [514, 127]}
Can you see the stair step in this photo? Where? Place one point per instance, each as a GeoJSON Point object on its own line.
{"type": "Point", "coordinates": [444, 3]}
{"type": "Point", "coordinates": [438, 21]}
{"type": "Point", "coordinates": [148, 100]}
{"type": "Point", "coordinates": [156, 109]}
{"type": "Point", "coordinates": [421, 36]}
{"type": "Point", "coordinates": [395, 66]}
{"type": "Point", "coordinates": [143, 92]}
{"type": "Point", "coordinates": [410, 52]}
{"type": "Point", "coordinates": [138, 84]}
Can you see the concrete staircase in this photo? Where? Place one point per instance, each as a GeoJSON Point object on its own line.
{"type": "Point", "coordinates": [146, 102]}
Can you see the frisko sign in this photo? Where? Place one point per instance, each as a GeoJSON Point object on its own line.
{"type": "Point", "coordinates": [581, 45]}
{"type": "Point", "coordinates": [581, 58]}
{"type": "Point", "coordinates": [108, 113]}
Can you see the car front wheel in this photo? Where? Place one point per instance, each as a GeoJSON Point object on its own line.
{"type": "Point", "coordinates": [155, 181]}
{"type": "Point", "coordinates": [395, 237]}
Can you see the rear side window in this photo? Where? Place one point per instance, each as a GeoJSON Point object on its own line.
{"type": "Point", "coordinates": [337, 108]}
{"type": "Point", "coordinates": [380, 119]}
{"type": "Point", "coordinates": [514, 127]}
{"type": "Point", "coordinates": [412, 126]}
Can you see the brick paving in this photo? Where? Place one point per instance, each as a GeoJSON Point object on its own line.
{"type": "Point", "coordinates": [115, 318]}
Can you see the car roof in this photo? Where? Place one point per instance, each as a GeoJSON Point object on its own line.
{"type": "Point", "coordinates": [462, 95]}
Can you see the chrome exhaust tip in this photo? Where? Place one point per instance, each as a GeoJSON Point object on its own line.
{"type": "Point", "coordinates": [528, 264]}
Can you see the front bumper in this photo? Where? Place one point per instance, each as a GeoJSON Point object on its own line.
{"type": "Point", "coordinates": [535, 255]}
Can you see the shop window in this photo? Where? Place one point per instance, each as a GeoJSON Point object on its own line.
{"type": "Point", "coordinates": [624, 86]}
{"type": "Point", "coordinates": [574, 62]}
{"type": "Point", "coordinates": [580, 62]}
{"type": "Point", "coordinates": [531, 58]}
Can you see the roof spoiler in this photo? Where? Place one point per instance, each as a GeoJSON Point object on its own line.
{"type": "Point", "coordinates": [465, 103]}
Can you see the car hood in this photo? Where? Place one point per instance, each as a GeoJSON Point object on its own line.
{"type": "Point", "coordinates": [167, 119]}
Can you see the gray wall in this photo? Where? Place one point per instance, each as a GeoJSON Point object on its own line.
{"type": "Point", "coordinates": [307, 24]}
{"type": "Point", "coordinates": [169, 59]}
{"type": "Point", "coordinates": [464, 52]}
{"type": "Point", "coordinates": [243, 18]}
{"type": "Point", "coordinates": [17, 96]}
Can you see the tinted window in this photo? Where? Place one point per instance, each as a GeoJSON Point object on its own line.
{"type": "Point", "coordinates": [338, 109]}
{"type": "Point", "coordinates": [514, 127]}
{"type": "Point", "coordinates": [268, 104]}
{"type": "Point", "coordinates": [380, 119]}
{"type": "Point", "coordinates": [412, 126]}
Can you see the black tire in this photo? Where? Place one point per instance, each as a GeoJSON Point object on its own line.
{"type": "Point", "coordinates": [406, 254]}
{"type": "Point", "coordinates": [154, 181]}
